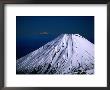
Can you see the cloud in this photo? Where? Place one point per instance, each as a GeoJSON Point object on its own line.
{"type": "Point", "coordinates": [43, 33]}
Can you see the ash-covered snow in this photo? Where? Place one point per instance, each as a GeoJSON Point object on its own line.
{"type": "Point", "coordinates": [67, 54]}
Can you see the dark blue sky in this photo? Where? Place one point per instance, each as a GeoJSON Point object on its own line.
{"type": "Point", "coordinates": [34, 31]}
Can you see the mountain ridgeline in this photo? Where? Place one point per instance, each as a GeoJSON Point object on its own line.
{"type": "Point", "coordinates": [66, 54]}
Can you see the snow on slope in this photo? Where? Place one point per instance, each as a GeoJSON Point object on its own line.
{"type": "Point", "coordinates": [67, 54]}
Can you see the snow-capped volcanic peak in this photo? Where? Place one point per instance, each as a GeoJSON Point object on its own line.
{"type": "Point", "coordinates": [67, 54]}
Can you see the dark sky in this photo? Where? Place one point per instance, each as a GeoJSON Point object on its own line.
{"type": "Point", "coordinates": [34, 31]}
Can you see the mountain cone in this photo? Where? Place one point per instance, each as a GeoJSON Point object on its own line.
{"type": "Point", "coordinates": [66, 54]}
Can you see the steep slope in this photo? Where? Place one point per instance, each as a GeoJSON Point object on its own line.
{"type": "Point", "coordinates": [67, 54]}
